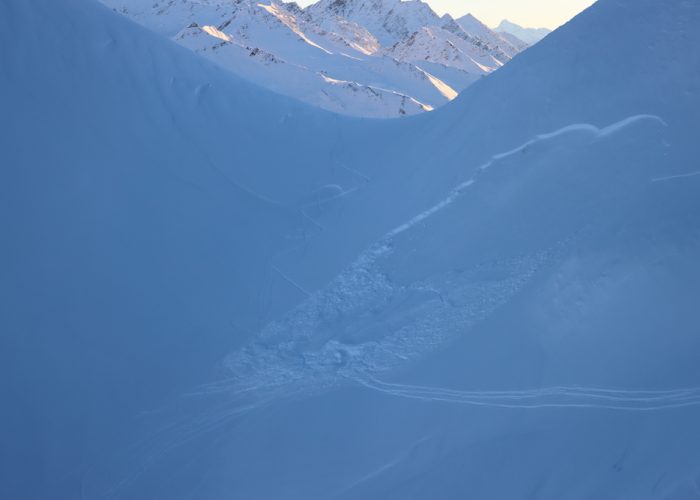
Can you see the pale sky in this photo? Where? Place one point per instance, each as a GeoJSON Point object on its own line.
{"type": "Point", "coordinates": [529, 13]}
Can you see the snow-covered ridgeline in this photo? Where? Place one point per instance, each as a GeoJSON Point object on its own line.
{"type": "Point", "coordinates": [373, 59]}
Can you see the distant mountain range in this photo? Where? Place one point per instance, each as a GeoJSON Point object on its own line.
{"type": "Point", "coordinates": [369, 58]}
{"type": "Point", "coordinates": [528, 35]}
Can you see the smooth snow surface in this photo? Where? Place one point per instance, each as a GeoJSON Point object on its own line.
{"type": "Point", "coordinates": [212, 291]}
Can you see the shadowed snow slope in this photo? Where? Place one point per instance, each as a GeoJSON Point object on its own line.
{"type": "Point", "coordinates": [210, 291]}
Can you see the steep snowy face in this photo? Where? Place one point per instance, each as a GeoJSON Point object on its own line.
{"type": "Point", "coordinates": [354, 35]}
{"type": "Point", "coordinates": [438, 46]}
{"type": "Point", "coordinates": [466, 45]}
{"type": "Point", "coordinates": [396, 21]}
{"type": "Point", "coordinates": [528, 35]}
{"type": "Point", "coordinates": [389, 20]}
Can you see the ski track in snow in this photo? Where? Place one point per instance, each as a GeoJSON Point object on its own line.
{"type": "Point", "coordinates": [549, 397]}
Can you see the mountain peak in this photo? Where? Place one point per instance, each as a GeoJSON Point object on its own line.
{"type": "Point", "coordinates": [492, 41]}
{"type": "Point", "coordinates": [468, 16]}
{"type": "Point", "coordinates": [389, 20]}
{"type": "Point", "coordinates": [527, 35]}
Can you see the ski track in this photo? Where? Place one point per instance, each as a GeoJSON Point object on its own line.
{"type": "Point", "coordinates": [291, 281]}
{"type": "Point", "coordinates": [548, 397]}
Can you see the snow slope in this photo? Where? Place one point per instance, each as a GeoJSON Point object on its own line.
{"type": "Point", "coordinates": [505, 288]}
{"type": "Point", "coordinates": [437, 46]}
{"type": "Point", "coordinates": [514, 40]}
{"type": "Point", "coordinates": [316, 86]}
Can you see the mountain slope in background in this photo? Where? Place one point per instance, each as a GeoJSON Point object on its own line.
{"type": "Point", "coordinates": [389, 20]}
{"type": "Point", "coordinates": [487, 38]}
{"type": "Point", "coordinates": [335, 55]}
{"type": "Point", "coordinates": [528, 35]}
{"type": "Point", "coordinates": [207, 285]}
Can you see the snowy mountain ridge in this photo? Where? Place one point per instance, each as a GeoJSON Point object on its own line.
{"type": "Point", "coordinates": [378, 58]}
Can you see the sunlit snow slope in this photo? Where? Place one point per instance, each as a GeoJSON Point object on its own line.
{"type": "Point", "coordinates": [380, 59]}
{"type": "Point", "coordinates": [210, 291]}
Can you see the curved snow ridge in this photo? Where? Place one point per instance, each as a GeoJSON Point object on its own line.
{"type": "Point", "coordinates": [548, 397]}
{"type": "Point", "coordinates": [674, 177]}
{"type": "Point", "coordinates": [596, 132]}
{"type": "Point", "coordinates": [377, 92]}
